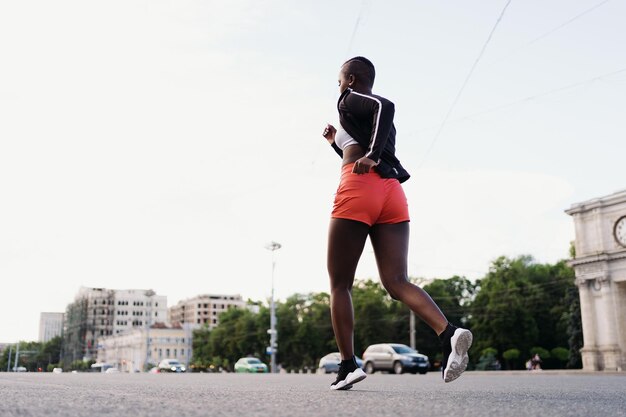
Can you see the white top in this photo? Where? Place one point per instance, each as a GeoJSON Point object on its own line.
{"type": "Point", "coordinates": [343, 139]}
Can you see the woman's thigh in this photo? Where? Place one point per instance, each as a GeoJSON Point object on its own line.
{"type": "Point", "coordinates": [346, 239]}
{"type": "Point", "coordinates": [391, 247]}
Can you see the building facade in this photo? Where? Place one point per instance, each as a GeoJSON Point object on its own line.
{"type": "Point", "coordinates": [98, 312]}
{"type": "Point", "coordinates": [137, 308]}
{"type": "Point", "coordinates": [600, 265]}
{"type": "Point", "coordinates": [204, 309]}
{"type": "Point", "coordinates": [50, 326]}
{"type": "Point", "coordinates": [140, 349]}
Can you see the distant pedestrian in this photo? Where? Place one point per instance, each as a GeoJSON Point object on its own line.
{"type": "Point", "coordinates": [529, 364]}
{"type": "Point", "coordinates": [536, 362]}
{"type": "Point", "coordinates": [370, 202]}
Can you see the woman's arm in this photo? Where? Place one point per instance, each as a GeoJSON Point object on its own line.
{"type": "Point", "coordinates": [329, 134]}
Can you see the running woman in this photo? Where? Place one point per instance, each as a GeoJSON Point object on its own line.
{"type": "Point", "coordinates": [370, 202]}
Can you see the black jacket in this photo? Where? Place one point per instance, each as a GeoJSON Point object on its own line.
{"type": "Point", "coordinates": [368, 118]}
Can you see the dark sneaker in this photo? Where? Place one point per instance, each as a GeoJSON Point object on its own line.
{"type": "Point", "coordinates": [455, 343]}
{"type": "Point", "coordinates": [348, 375]}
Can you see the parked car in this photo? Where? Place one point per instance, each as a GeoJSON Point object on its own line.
{"type": "Point", "coordinates": [171, 365]}
{"type": "Point", "coordinates": [330, 363]}
{"type": "Point", "coordinates": [252, 365]}
{"type": "Point", "coordinates": [394, 357]}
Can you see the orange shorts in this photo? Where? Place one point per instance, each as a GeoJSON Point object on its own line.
{"type": "Point", "coordinates": [370, 199]}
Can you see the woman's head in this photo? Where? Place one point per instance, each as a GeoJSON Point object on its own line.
{"type": "Point", "coordinates": [357, 73]}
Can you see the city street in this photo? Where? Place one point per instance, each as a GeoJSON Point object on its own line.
{"type": "Point", "coordinates": [474, 394]}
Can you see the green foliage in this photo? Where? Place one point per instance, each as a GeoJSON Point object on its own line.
{"type": "Point", "coordinates": [373, 323]}
{"type": "Point", "coordinates": [511, 354]}
{"type": "Point", "coordinates": [489, 352]}
{"type": "Point", "coordinates": [487, 361]}
{"type": "Point", "coordinates": [574, 329]}
{"type": "Point", "coordinates": [453, 296]}
{"type": "Point", "coordinates": [33, 355]}
{"type": "Point", "coordinates": [512, 358]}
{"type": "Point", "coordinates": [81, 366]}
{"type": "Point", "coordinates": [543, 353]}
{"type": "Point", "coordinates": [518, 304]}
{"type": "Point", "coordinates": [560, 354]}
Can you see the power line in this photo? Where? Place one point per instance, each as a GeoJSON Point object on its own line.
{"type": "Point", "coordinates": [356, 26]}
{"type": "Point", "coordinates": [551, 31]}
{"type": "Point", "coordinates": [458, 95]}
{"type": "Point", "coordinates": [533, 97]}
{"type": "Point", "coordinates": [578, 16]}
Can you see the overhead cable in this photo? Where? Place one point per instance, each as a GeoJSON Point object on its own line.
{"type": "Point", "coordinates": [529, 98]}
{"type": "Point", "coordinates": [467, 78]}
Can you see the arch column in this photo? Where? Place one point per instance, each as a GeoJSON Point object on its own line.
{"type": "Point", "coordinates": [589, 352]}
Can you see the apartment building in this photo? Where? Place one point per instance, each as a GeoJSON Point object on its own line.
{"type": "Point", "coordinates": [50, 326]}
{"type": "Point", "coordinates": [98, 312]}
{"type": "Point", "coordinates": [204, 309]}
{"type": "Point", "coordinates": [142, 348]}
{"type": "Point", "coordinates": [137, 308]}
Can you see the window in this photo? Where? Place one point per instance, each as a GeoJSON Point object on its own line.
{"type": "Point", "coordinates": [160, 353]}
{"type": "Point", "coordinates": [167, 353]}
{"type": "Point", "coordinates": [198, 320]}
{"type": "Point", "coordinates": [175, 353]}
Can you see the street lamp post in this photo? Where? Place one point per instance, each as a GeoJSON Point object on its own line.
{"type": "Point", "coordinates": [273, 246]}
{"type": "Point", "coordinates": [150, 294]}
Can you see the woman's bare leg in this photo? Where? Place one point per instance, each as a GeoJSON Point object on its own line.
{"type": "Point", "coordinates": [346, 239]}
{"type": "Point", "coordinates": [391, 246]}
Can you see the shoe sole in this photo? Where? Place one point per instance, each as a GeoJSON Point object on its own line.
{"type": "Point", "coordinates": [457, 362]}
{"type": "Point", "coordinates": [353, 377]}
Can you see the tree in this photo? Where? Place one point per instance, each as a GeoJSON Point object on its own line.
{"type": "Point", "coordinates": [453, 296]}
{"type": "Point", "coordinates": [511, 357]}
{"type": "Point", "coordinates": [373, 323]}
{"type": "Point", "coordinates": [521, 304]}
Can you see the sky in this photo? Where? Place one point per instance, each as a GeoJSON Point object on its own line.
{"type": "Point", "coordinates": [163, 144]}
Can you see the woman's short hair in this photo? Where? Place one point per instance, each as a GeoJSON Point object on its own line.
{"type": "Point", "coordinates": [362, 68]}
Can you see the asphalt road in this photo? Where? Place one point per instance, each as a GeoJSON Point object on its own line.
{"type": "Point", "coordinates": [474, 394]}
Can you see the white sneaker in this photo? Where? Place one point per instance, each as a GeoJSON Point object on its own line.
{"type": "Point", "coordinates": [346, 378]}
{"type": "Point", "coordinates": [455, 357]}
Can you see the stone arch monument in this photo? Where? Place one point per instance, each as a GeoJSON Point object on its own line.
{"type": "Point", "coordinates": [600, 266]}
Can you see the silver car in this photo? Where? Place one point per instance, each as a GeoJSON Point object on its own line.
{"type": "Point", "coordinates": [330, 363]}
{"type": "Point", "coordinates": [171, 365]}
{"type": "Point", "coordinates": [394, 357]}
